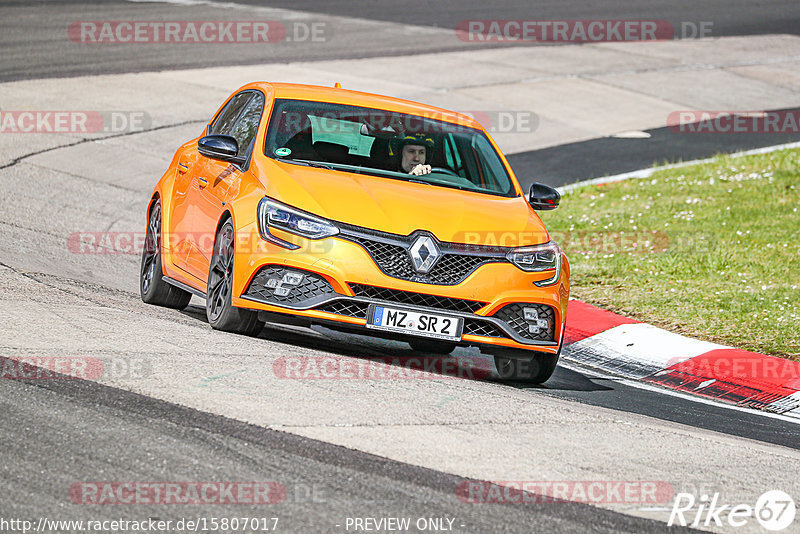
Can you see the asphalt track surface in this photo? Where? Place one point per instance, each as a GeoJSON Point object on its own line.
{"type": "Point", "coordinates": [57, 432]}
{"type": "Point", "coordinates": [608, 156]}
{"type": "Point", "coordinates": [35, 43]}
{"type": "Point", "coordinates": [738, 17]}
{"type": "Point", "coordinates": [328, 483]}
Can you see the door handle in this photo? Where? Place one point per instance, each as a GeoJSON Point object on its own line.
{"type": "Point", "coordinates": [203, 182]}
{"type": "Point", "coordinates": [182, 168]}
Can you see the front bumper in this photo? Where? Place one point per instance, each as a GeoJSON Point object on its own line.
{"type": "Point", "coordinates": [335, 280]}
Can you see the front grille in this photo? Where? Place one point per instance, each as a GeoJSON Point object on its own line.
{"type": "Point", "coordinates": [453, 268]}
{"type": "Point", "coordinates": [287, 287]}
{"type": "Point", "coordinates": [392, 259]}
{"type": "Point", "coordinates": [482, 328]}
{"type": "Point", "coordinates": [514, 316]}
{"type": "Point", "coordinates": [350, 308]}
{"type": "Point", "coordinates": [390, 253]}
{"type": "Point", "coordinates": [416, 299]}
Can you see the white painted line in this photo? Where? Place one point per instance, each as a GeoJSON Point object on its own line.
{"type": "Point", "coordinates": [646, 173]}
{"type": "Point", "coordinates": [632, 134]}
{"type": "Point", "coordinates": [637, 350]}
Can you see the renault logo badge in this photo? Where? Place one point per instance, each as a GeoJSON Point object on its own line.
{"type": "Point", "coordinates": [424, 254]}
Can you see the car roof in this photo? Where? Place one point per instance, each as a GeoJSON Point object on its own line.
{"type": "Point", "coordinates": [358, 98]}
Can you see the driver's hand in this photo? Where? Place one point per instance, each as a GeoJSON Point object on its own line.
{"type": "Point", "coordinates": [420, 169]}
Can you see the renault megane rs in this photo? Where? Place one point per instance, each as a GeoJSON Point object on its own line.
{"type": "Point", "coordinates": [316, 205]}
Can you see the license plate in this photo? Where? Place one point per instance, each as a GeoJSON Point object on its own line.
{"type": "Point", "coordinates": [415, 323]}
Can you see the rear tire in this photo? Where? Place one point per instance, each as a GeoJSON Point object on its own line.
{"type": "Point", "coordinates": [152, 287]}
{"type": "Point", "coordinates": [432, 346]}
{"type": "Point", "coordinates": [221, 314]}
{"type": "Point", "coordinates": [534, 369]}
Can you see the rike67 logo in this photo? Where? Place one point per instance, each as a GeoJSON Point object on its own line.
{"type": "Point", "coordinates": [774, 510]}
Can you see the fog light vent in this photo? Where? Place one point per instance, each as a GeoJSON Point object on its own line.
{"type": "Point", "coordinates": [531, 321]}
{"type": "Point", "coordinates": [535, 324]}
{"type": "Point", "coordinates": [288, 287]}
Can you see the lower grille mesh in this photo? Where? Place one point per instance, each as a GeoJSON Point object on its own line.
{"type": "Point", "coordinates": [297, 288]}
{"type": "Point", "coordinates": [417, 299]}
{"type": "Point", "coordinates": [349, 308]}
{"type": "Point", "coordinates": [482, 328]}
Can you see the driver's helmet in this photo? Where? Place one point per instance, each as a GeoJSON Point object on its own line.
{"type": "Point", "coordinates": [419, 138]}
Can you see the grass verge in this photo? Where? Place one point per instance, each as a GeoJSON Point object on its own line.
{"type": "Point", "coordinates": [711, 251]}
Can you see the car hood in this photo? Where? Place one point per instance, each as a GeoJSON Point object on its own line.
{"type": "Point", "coordinates": [400, 207]}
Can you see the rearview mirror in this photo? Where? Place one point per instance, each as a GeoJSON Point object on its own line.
{"type": "Point", "coordinates": [543, 197]}
{"type": "Point", "coordinates": [221, 147]}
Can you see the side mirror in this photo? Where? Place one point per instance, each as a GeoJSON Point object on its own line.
{"type": "Point", "coordinates": [221, 147]}
{"type": "Point", "coordinates": [543, 197]}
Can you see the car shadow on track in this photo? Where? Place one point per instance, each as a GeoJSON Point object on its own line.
{"type": "Point", "coordinates": [564, 379]}
{"type": "Point", "coordinates": [389, 359]}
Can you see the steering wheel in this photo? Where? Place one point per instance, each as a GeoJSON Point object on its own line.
{"type": "Point", "coordinates": [445, 170]}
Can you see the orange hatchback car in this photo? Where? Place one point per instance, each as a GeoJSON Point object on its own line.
{"type": "Point", "coordinates": [316, 205]}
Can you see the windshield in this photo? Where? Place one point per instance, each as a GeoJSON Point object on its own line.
{"type": "Point", "coordinates": [371, 141]}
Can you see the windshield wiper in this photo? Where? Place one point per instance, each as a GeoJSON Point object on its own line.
{"type": "Point", "coordinates": [316, 164]}
{"type": "Point", "coordinates": [307, 163]}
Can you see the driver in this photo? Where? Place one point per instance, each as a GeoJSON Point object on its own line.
{"type": "Point", "coordinates": [414, 152]}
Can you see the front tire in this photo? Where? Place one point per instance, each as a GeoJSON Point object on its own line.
{"type": "Point", "coordinates": [221, 314]}
{"type": "Point", "coordinates": [519, 367]}
{"type": "Point", "coordinates": [152, 287]}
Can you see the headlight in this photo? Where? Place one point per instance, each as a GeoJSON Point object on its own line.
{"type": "Point", "coordinates": [539, 258]}
{"type": "Point", "coordinates": [273, 214]}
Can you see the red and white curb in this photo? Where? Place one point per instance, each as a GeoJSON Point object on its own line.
{"type": "Point", "coordinates": [604, 340]}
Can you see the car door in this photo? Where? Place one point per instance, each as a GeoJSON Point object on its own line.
{"type": "Point", "coordinates": [216, 178]}
{"type": "Point", "coordinates": [178, 240]}
{"type": "Point", "coordinates": [186, 192]}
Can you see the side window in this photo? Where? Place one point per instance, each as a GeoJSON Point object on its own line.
{"type": "Point", "coordinates": [245, 128]}
{"type": "Point", "coordinates": [227, 117]}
